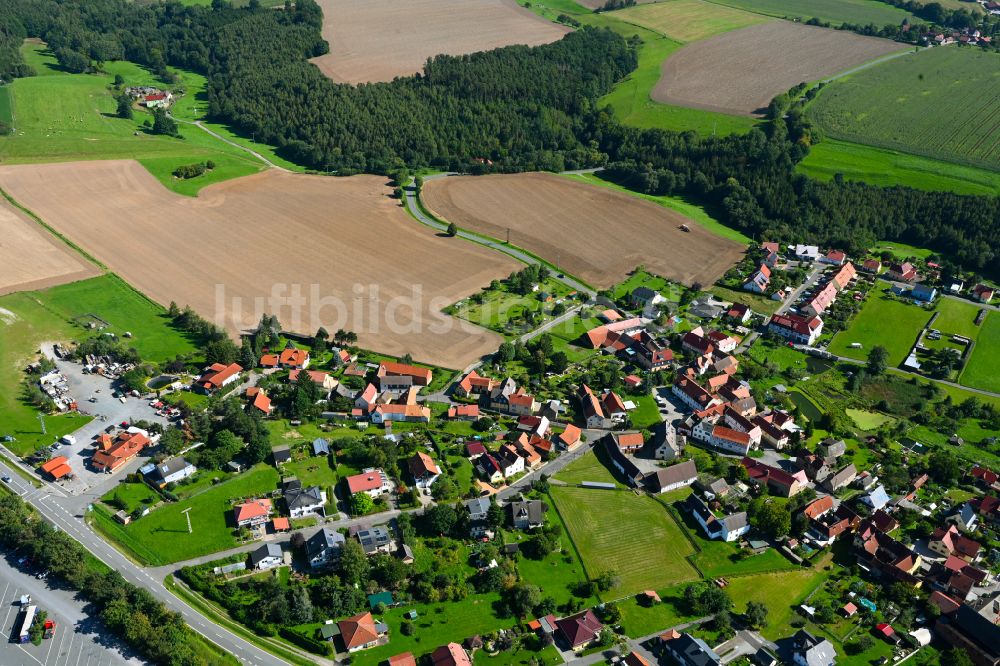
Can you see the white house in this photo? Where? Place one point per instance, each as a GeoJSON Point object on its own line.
{"type": "Point", "coordinates": [375, 482]}
{"type": "Point", "coordinates": [174, 470]}
{"type": "Point", "coordinates": [807, 252]}
{"type": "Point", "coordinates": [804, 330]}
{"type": "Point", "coordinates": [305, 501]}
{"type": "Point", "coordinates": [510, 462]}
{"type": "Point", "coordinates": [266, 557]}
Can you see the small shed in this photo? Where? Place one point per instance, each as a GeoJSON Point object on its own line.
{"type": "Point", "coordinates": [282, 454]}
{"type": "Point", "coordinates": [411, 615]}
{"type": "Point", "coordinates": [321, 447]}
{"type": "Point", "coordinates": [330, 631]}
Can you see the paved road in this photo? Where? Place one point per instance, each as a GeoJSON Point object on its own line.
{"type": "Point", "coordinates": [785, 305]}
{"type": "Point", "coordinates": [410, 200]}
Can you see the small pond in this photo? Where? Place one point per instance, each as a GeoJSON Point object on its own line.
{"type": "Point", "coordinates": [161, 381]}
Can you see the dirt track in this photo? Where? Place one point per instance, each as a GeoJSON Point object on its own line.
{"type": "Point", "coordinates": [249, 235]}
{"type": "Point", "coordinates": [740, 72]}
{"type": "Point", "coordinates": [378, 40]}
{"type": "Point", "coordinates": [32, 258]}
{"type": "Point", "coordinates": [593, 232]}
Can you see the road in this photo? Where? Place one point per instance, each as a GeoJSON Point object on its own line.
{"type": "Point", "coordinates": [785, 305]}
{"type": "Point", "coordinates": [410, 201]}
{"type": "Point", "coordinates": [223, 139]}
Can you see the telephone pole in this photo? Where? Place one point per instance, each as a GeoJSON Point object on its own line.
{"type": "Point", "coordinates": [188, 516]}
{"type": "Point", "coordinates": [41, 419]}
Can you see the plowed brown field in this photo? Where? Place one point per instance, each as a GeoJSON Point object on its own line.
{"type": "Point", "coordinates": [740, 72]}
{"type": "Point", "coordinates": [32, 258]}
{"type": "Point", "coordinates": [593, 232]}
{"type": "Point", "coordinates": [227, 251]}
{"type": "Point", "coordinates": [378, 40]}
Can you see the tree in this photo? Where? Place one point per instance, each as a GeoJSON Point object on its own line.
{"type": "Point", "coordinates": [452, 229]}
{"type": "Point", "coordinates": [353, 562]}
{"type": "Point", "coordinates": [756, 614]}
{"type": "Point", "coordinates": [607, 579]}
{"type": "Point", "coordinates": [164, 124]}
{"type": "Point", "coordinates": [298, 541]}
{"type": "Point", "coordinates": [124, 109]}
{"type": "Point", "coordinates": [771, 518]}
{"type": "Point", "coordinates": [362, 504]}
{"type": "Point", "coordinates": [956, 657]}
{"type": "Point", "coordinates": [505, 353]}
{"type": "Point", "coordinates": [878, 361]}
{"type": "Point", "coordinates": [494, 515]}
{"type": "Point", "coordinates": [441, 518]}
{"type": "Point", "coordinates": [944, 466]}
{"type": "Point", "coordinates": [522, 599]}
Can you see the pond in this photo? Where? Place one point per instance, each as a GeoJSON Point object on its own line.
{"type": "Point", "coordinates": [806, 406]}
{"type": "Point", "coordinates": [161, 381]}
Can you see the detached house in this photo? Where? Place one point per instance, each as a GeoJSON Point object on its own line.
{"type": "Point", "coordinates": [727, 528]}
{"type": "Point", "coordinates": [580, 630]}
{"type": "Point", "coordinates": [324, 547]}
{"type": "Point", "coordinates": [901, 272]}
{"type": "Point", "coordinates": [305, 501]}
{"type": "Point", "coordinates": [294, 359]}
{"type": "Point", "coordinates": [509, 460]}
{"type": "Point", "coordinates": [254, 512]}
{"type": "Point", "coordinates": [423, 470]}
{"type": "Point", "coordinates": [375, 482]}
{"type": "Point", "coordinates": [527, 514]}
{"type": "Point", "coordinates": [759, 281]}
{"type": "Point", "coordinates": [804, 330]}
{"type": "Point", "coordinates": [217, 376]}
{"type": "Point", "coordinates": [361, 632]}
{"type": "Point", "coordinates": [692, 394]}
{"type": "Point", "coordinates": [983, 293]}
{"type": "Point", "coordinates": [474, 384]}
{"type": "Point", "coordinates": [950, 542]}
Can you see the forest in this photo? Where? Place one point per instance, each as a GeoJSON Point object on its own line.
{"type": "Point", "coordinates": [520, 108]}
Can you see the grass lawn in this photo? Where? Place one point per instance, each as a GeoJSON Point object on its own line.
{"type": "Point", "coordinates": [559, 573]}
{"type": "Point", "coordinates": [41, 316]}
{"type": "Point", "coordinates": [958, 317]}
{"type": "Point", "coordinates": [631, 534]}
{"type": "Point", "coordinates": [983, 368]}
{"type": "Point", "coordinates": [833, 11]}
{"type": "Point", "coordinates": [521, 656]}
{"type": "Point", "coordinates": [641, 620]}
{"type": "Point", "coordinates": [62, 116]}
{"type": "Point", "coordinates": [868, 420]}
{"type": "Point", "coordinates": [504, 311]}
{"type": "Point", "coordinates": [688, 20]}
{"type": "Point", "coordinates": [902, 251]}
{"type": "Point", "coordinates": [312, 471]}
{"type": "Point", "coordinates": [780, 592]}
{"type": "Point", "coordinates": [755, 302]}
{"type": "Point", "coordinates": [869, 328]}
{"type": "Point", "coordinates": [586, 468]}
{"type": "Point", "coordinates": [6, 111]}
{"type": "Point", "coordinates": [696, 213]}
{"type": "Point", "coordinates": [162, 536]}
{"type": "Point", "coordinates": [133, 495]}
{"type": "Point", "coordinates": [646, 413]}
{"type": "Point", "coordinates": [637, 279]}
{"type": "Point", "coordinates": [881, 166]}
{"type": "Point", "coordinates": [718, 558]}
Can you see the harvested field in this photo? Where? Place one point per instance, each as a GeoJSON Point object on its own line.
{"type": "Point", "coordinates": [739, 72]}
{"type": "Point", "coordinates": [378, 40]}
{"type": "Point", "coordinates": [254, 244]}
{"type": "Point", "coordinates": [595, 233]}
{"type": "Point", "coordinates": [597, 4]}
{"type": "Point", "coordinates": [32, 258]}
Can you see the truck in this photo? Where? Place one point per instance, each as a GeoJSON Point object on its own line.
{"type": "Point", "coordinates": [69, 439]}
{"type": "Point", "coordinates": [49, 628]}
{"type": "Point", "coordinates": [29, 616]}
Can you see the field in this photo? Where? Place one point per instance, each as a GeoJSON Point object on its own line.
{"type": "Point", "coordinates": [869, 328]}
{"type": "Point", "coordinates": [28, 319]}
{"type": "Point", "coordinates": [595, 233]}
{"type": "Point", "coordinates": [939, 103]}
{"type": "Point", "coordinates": [162, 536]}
{"type": "Point", "coordinates": [740, 72]}
{"type": "Point", "coordinates": [61, 117]}
{"type": "Point", "coordinates": [688, 20]}
{"type": "Point", "coordinates": [32, 258]}
{"type": "Point", "coordinates": [860, 12]}
{"type": "Point", "coordinates": [780, 592]}
{"type": "Point", "coordinates": [983, 369]}
{"type": "Point", "coordinates": [378, 40]}
{"type": "Point", "coordinates": [880, 166]}
{"type": "Point", "coordinates": [313, 250]}
{"type": "Point", "coordinates": [633, 535]}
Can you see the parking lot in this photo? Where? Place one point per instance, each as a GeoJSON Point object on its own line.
{"type": "Point", "coordinates": [79, 639]}
{"type": "Point", "coordinates": [107, 411]}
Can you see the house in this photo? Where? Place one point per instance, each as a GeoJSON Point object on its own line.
{"type": "Point", "coordinates": [489, 468]}
{"type": "Point", "coordinates": [842, 277]}
{"type": "Point", "coordinates": [527, 514]}
{"type": "Point", "coordinates": [579, 630]}
{"type": "Point", "coordinates": [872, 266]}
{"type": "Point", "coordinates": [260, 402]}
{"type": "Point", "coordinates": [807, 252]}
{"type": "Point", "coordinates": [366, 399]}
{"type": "Point", "coordinates": [324, 547]}
{"type": "Point", "coordinates": [876, 497]}
{"type": "Point", "coordinates": [809, 650]}
{"type": "Point", "coordinates": [361, 632]}
{"type": "Point", "coordinates": [474, 449]}
{"type": "Point", "coordinates": [254, 512]}
{"type": "Point", "coordinates": [322, 379]}
{"type": "Point", "coordinates": [739, 313]}
{"type": "Point", "coordinates": [644, 297]}
{"type": "Point", "coordinates": [834, 258]}
{"type": "Point", "coordinates": [464, 413]}
{"type": "Point", "coordinates": [217, 376]}
{"type": "Point", "coordinates": [692, 394]}
{"type": "Point", "coordinates": [320, 447]}
{"type": "Point", "coordinates": [831, 448]}
{"type": "Point", "coordinates": [884, 556]}
{"type": "Point", "coordinates": [420, 376]}
{"type": "Point", "coordinates": [157, 100]}
{"type": "Point", "coordinates": [404, 659]}
{"type": "Point", "coordinates": [687, 650]}
{"type": "Point", "coordinates": [266, 557]}
{"type": "Point", "coordinates": [423, 470]}
{"type": "Point", "coordinates": [374, 539]}
{"type": "Point", "coordinates": [804, 330]}
{"type": "Point", "coordinates": [901, 272]}
{"type": "Point", "coordinates": [650, 353]}
{"type": "Point", "coordinates": [883, 522]}
{"type": "Point", "coordinates": [721, 437]}
{"type": "Point", "coordinates": [886, 631]}
{"type": "Point", "coordinates": [671, 478]}
{"type": "Point", "coordinates": [818, 507]}
{"type": "Point", "coordinates": [821, 299]}
{"type": "Point", "coordinates": [569, 438]}
{"type": "Point", "coordinates": [728, 528]}
{"type": "Point", "coordinates": [840, 479]}
{"type": "Point", "coordinates": [594, 409]}
{"type": "Point", "coordinates": [411, 413]}
{"type": "Point", "coordinates": [668, 444]}
{"type": "Point", "coordinates": [57, 467]}
{"type": "Point", "coordinates": [723, 342]}
{"type": "Point", "coordinates": [451, 654]}
{"type": "Point", "coordinates": [696, 342]}
{"type": "Point", "coordinates": [970, 631]}
{"type": "Point", "coordinates": [983, 293]}
{"type": "Point", "coordinates": [948, 541]}
{"type": "Point", "coordinates": [923, 293]}
{"type": "Point", "coordinates": [293, 359]}
{"type": "Point", "coordinates": [113, 453]}
{"type": "Point", "coordinates": [375, 482]}
{"type": "Point", "coordinates": [478, 509]}
{"type": "Point", "coordinates": [610, 315]}
{"type": "Point", "coordinates": [770, 251]}
{"type": "Point", "coordinates": [510, 462]}
{"type": "Point", "coordinates": [759, 281]}
{"type": "Point", "coordinates": [608, 335]}
{"type": "Point", "coordinates": [984, 476]}
{"type": "Point", "coordinates": [517, 403]}
{"type": "Point", "coordinates": [635, 659]}
{"type": "Point", "coordinates": [305, 501]}
{"type": "Point", "coordinates": [281, 454]}
{"type": "Point", "coordinates": [849, 610]}
{"type": "Point", "coordinates": [777, 480]}
{"type": "Point", "coordinates": [629, 442]}
{"type": "Point", "coordinates": [174, 470]}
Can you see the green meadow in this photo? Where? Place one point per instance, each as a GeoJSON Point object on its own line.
{"type": "Point", "coordinates": [831, 11]}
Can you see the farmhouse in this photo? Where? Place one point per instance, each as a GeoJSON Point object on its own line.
{"type": "Point", "coordinates": [652, 354]}
{"type": "Point", "coordinates": [607, 335]}
{"type": "Point", "coordinates": [709, 431]}
{"type": "Point", "coordinates": [420, 376]}
{"type": "Point", "coordinates": [840, 479]}
{"type": "Point", "coordinates": [804, 330]}
{"type": "Point", "coordinates": [113, 453]}
{"type": "Point", "coordinates": [696, 342]}
{"type": "Point", "coordinates": [217, 376]}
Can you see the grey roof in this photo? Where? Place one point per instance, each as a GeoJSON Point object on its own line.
{"type": "Point", "coordinates": [265, 551]}
{"type": "Point", "coordinates": [171, 466]}
{"type": "Point", "coordinates": [290, 483]}
{"type": "Point", "coordinates": [320, 445]}
{"type": "Point", "coordinates": [533, 511]}
{"type": "Point", "coordinates": [877, 498]}
{"type": "Point", "coordinates": [685, 472]}
{"type": "Point", "coordinates": [816, 651]}
{"type": "Point", "coordinates": [395, 380]}
{"type": "Point", "coordinates": [372, 538]}
{"type": "Point", "coordinates": [281, 453]}
{"type": "Point", "coordinates": [735, 521]}
{"type": "Point", "coordinates": [694, 651]}
{"type": "Point", "coordinates": [976, 627]}
{"type": "Point", "coordinates": [833, 448]}
{"type": "Point", "coordinates": [325, 539]}
{"type": "Point", "coordinates": [478, 506]}
{"type": "Point", "coordinates": [643, 294]}
{"type": "Point", "coordinates": [304, 497]}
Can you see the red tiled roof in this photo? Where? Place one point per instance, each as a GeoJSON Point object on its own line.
{"type": "Point", "coordinates": [570, 436]}
{"type": "Point", "coordinates": [252, 509]}
{"type": "Point", "coordinates": [818, 507]}
{"type": "Point", "coordinates": [269, 361]}
{"type": "Point", "coordinates": [451, 654]}
{"type": "Point", "coordinates": [54, 463]}
{"type": "Point", "coordinates": [218, 373]}
{"type": "Point", "coordinates": [629, 440]}
{"type": "Point", "coordinates": [358, 630]}
{"type": "Point", "coordinates": [262, 402]}
{"type": "Point", "coordinates": [405, 659]}
{"type": "Point", "coordinates": [474, 448]}
{"type": "Point", "coordinates": [365, 481]}
{"type": "Point", "coordinates": [315, 375]}
{"type": "Point", "coordinates": [293, 357]}
{"type": "Point", "coordinates": [280, 524]}
{"type": "Point", "coordinates": [580, 629]}
{"type": "Point", "coordinates": [422, 464]}
{"type": "Point", "coordinates": [125, 447]}
{"type": "Point", "coordinates": [463, 410]}
{"type": "Point", "coordinates": [402, 369]}
{"type": "Point", "coordinates": [722, 432]}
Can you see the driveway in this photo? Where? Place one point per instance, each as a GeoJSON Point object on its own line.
{"type": "Point", "coordinates": [744, 643]}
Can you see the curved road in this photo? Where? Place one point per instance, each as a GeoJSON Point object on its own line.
{"type": "Point", "coordinates": [198, 123]}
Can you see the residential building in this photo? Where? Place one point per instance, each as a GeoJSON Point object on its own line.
{"type": "Point", "coordinates": [970, 631]}
{"type": "Point", "coordinates": [810, 650]}
{"type": "Point", "coordinates": [374, 539]}
{"type": "Point", "coordinates": [629, 442]}
{"type": "Point", "coordinates": [668, 444]}
{"type": "Point", "coordinates": [411, 413]}
{"type": "Point", "coordinates": [112, 453]}
{"type": "Point", "coordinates": [474, 384]}
{"type": "Point", "coordinates": [696, 342]}
{"type": "Point", "coordinates": [323, 379]}
{"type": "Point", "coordinates": [366, 399]}
{"type": "Point", "coordinates": [776, 479]}
{"type": "Point", "coordinates": [983, 293]}
{"type": "Point", "coordinates": [692, 394]}
{"type": "Point", "coordinates": [218, 375]}
{"type": "Point", "coordinates": [770, 251]}
{"type": "Point", "coordinates": [174, 470]}
{"type": "Point", "coordinates": [252, 513]}
{"type": "Point", "coordinates": [266, 557]}
{"type": "Point", "coordinates": [306, 501]}
{"type": "Point", "coordinates": [840, 479]}
{"type": "Point", "coordinates": [687, 650]}
{"type": "Point", "coordinates": [807, 252]}
{"type": "Point", "coordinates": [759, 281]}
{"type": "Point", "coordinates": [294, 359]}
{"type": "Point", "coordinates": [423, 470]}
{"type": "Point", "coordinates": [464, 413]}
{"type": "Point", "coordinates": [803, 330]}
{"type": "Point", "coordinates": [876, 497]}
{"type": "Point", "coordinates": [818, 507]}
{"type": "Point", "coordinates": [478, 509]}
{"type": "Point", "coordinates": [580, 630]}
{"type": "Point", "coordinates": [834, 257]}
{"type": "Point", "coordinates": [324, 547]}
{"type": "Point", "coordinates": [872, 266]}
{"type": "Point", "coordinates": [510, 462]}
{"type": "Point", "coordinates": [375, 482]}
{"type": "Point", "coordinates": [569, 438]}
{"type": "Point", "coordinates": [451, 654]}
{"type": "Point", "coordinates": [671, 478]}
{"type": "Point", "coordinates": [261, 403]}
{"type": "Point", "coordinates": [923, 293]}
{"type": "Point", "coordinates": [831, 448]}
{"type": "Point", "coordinates": [420, 376]}
{"type": "Point", "coordinates": [950, 542]}
{"type": "Point", "coordinates": [281, 454]}
{"type": "Point", "coordinates": [650, 353]}
{"type": "Point", "coordinates": [710, 432]}
{"type": "Point", "coordinates": [727, 528]}
{"type": "Point", "coordinates": [361, 632]}
{"type": "Point", "coordinates": [527, 514]}
{"type": "Point", "coordinates": [739, 313]}
{"type": "Point", "coordinates": [644, 297]}
{"type": "Point", "coordinates": [489, 468]}
{"type": "Point", "coordinates": [901, 272]}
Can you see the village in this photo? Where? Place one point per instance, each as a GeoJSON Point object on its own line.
{"type": "Point", "coordinates": [343, 472]}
